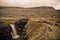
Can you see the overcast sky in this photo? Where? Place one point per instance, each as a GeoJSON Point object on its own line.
{"type": "Point", "coordinates": [31, 3]}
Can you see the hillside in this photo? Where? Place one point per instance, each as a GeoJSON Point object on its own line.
{"type": "Point", "coordinates": [27, 12]}
{"type": "Point", "coordinates": [43, 22]}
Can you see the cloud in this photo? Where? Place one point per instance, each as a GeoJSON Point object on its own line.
{"type": "Point", "coordinates": [57, 6]}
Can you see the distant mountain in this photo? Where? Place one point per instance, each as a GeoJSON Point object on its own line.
{"type": "Point", "coordinates": [27, 12]}
{"type": "Point", "coordinates": [26, 8]}
{"type": "Point", "coordinates": [58, 13]}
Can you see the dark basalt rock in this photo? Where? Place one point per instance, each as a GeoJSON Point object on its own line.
{"type": "Point", "coordinates": [5, 31]}
{"type": "Point", "coordinates": [21, 30]}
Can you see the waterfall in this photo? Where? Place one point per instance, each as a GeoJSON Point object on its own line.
{"type": "Point", "coordinates": [14, 32]}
